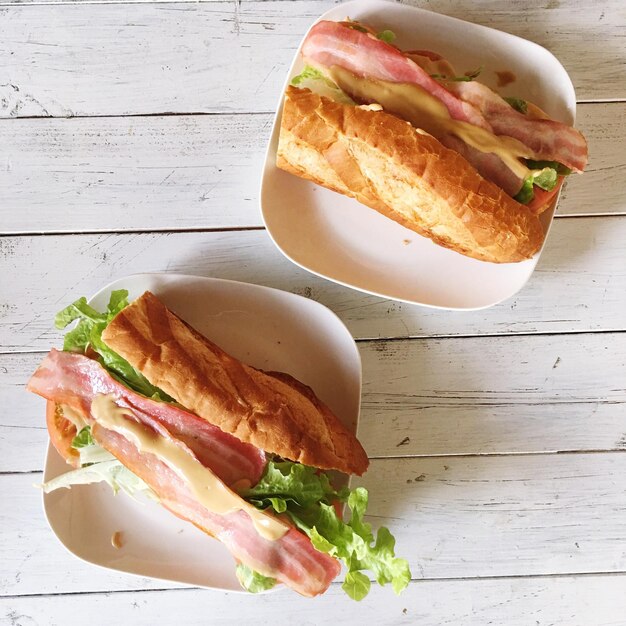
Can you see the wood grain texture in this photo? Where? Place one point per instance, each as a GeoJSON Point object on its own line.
{"type": "Point", "coordinates": [567, 601]}
{"type": "Point", "coordinates": [65, 59]}
{"type": "Point", "coordinates": [142, 173]}
{"type": "Point", "coordinates": [494, 395]}
{"type": "Point", "coordinates": [533, 515]}
{"type": "Point", "coordinates": [191, 172]}
{"type": "Point", "coordinates": [432, 397]}
{"type": "Point", "coordinates": [579, 284]}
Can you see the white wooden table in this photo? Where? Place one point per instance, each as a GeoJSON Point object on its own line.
{"type": "Point", "coordinates": [131, 140]}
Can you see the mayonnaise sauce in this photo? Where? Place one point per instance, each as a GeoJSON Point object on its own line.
{"type": "Point", "coordinates": [209, 490]}
{"type": "Point", "coordinates": [423, 110]}
{"type": "Point", "coordinates": [72, 416]}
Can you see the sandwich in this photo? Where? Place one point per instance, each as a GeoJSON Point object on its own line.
{"type": "Point", "coordinates": [141, 400]}
{"type": "Point", "coordinates": [441, 154]}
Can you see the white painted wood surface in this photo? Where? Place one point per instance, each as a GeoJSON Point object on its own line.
{"type": "Point", "coordinates": [579, 284]}
{"type": "Point", "coordinates": [531, 514]}
{"type": "Point", "coordinates": [498, 437]}
{"type": "Point", "coordinates": [190, 172]}
{"type": "Point", "coordinates": [571, 600]}
{"type": "Point", "coordinates": [65, 60]}
{"type": "Point", "coordinates": [435, 397]}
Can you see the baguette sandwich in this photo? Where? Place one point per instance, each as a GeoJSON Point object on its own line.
{"type": "Point", "coordinates": [441, 154]}
{"type": "Point", "coordinates": [139, 399]}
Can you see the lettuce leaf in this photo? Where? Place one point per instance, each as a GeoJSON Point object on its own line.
{"type": "Point", "coordinates": [521, 106]}
{"type": "Point", "coordinates": [88, 335]}
{"type": "Point", "coordinates": [98, 465]}
{"type": "Point", "coordinates": [545, 178]}
{"type": "Point", "coordinates": [83, 439]}
{"type": "Point", "coordinates": [111, 471]}
{"type": "Point", "coordinates": [388, 36]}
{"type": "Point", "coordinates": [309, 73]}
{"type": "Point", "coordinates": [88, 450]}
{"type": "Point", "coordinates": [561, 169]}
{"type": "Point", "coordinates": [311, 78]}
{"type": "Point", "coordinates": [295, 482]}
{"type": "Point", "coordinates": [307, 497]}
{"type": "Point", "coordinates": [253, 581]}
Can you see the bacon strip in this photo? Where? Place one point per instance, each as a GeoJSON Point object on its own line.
{"type": "Point", "coordinates": [488, 165]}
{"type": "Point", "coordinates": [292, 559]}
{"type": "Point", "coordinates": [331, 43]}
{"type": "Point", "coordinates": [74, 380]}
{"type": "Point", "coordinates": [548, 139]}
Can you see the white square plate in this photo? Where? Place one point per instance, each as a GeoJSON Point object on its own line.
{"type": "Point", "coordinates": [337, 238]}
{"type": "Point", "coordinates": [267, 328]}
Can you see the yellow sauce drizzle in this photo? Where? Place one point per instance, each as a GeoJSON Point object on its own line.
{"type": "Point", "coordinates": [209, 490]}
{"type": "Point", "coordinates": [416, 105]}
{"type": "Point", "coordinates": [72, 416]}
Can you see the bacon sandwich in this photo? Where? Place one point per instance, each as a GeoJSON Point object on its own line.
{"type": "Point", "coordinates": [441, 154]}
{"type": "Point", "coordinates": [139, 399]}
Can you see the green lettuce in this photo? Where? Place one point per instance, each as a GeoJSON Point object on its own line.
{"type": "Point", "coordinates": [89, 451]}
{"type": "Point", "coordinates": [253, 581]}
{"type": "Point", "coordinates": [518, 104]}
{"type": "Point", "coordinates": [560, 169]}
{"type": "Point", "coordinates": [110, 471]}
{"type": "Point", "coordinates": [545, 178]}
{"type": "Point", "coordinates": [98, 465]}
{"type": "Point", "coordinates": [83, 439]}
{"type": "Point", "coordinates": [311, 78]}
{"type": "Point", "coordinates": [388, 36]}
{"type": "Point", "coordinates": [309, 73]}
{"type": "Point", "coordinates": [308, 499]}
{"type": "Point", "coordinates": [88, 335]}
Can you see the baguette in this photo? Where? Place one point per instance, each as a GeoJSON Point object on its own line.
{"type": "Point", "coordinates": [407, 175]}
{"type": "Point", "coordinates": [272, 411]}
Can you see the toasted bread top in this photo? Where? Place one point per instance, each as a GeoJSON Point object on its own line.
{"type": "Point", "coordinates": [272, 411]}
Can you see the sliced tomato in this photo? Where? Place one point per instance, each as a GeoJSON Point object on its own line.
{"type": "Point", "coordinates": [542, 199]}
{"type": "Point", "coordinates": [61, 432]}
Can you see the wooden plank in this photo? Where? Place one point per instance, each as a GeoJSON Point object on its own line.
{"type": "Point", "coordinates": [595, 191]}
{"type": "Point", "coordinates": [190, 172]}
{"type": "Point", "coordinates": [579, 284]}
{"type": "Point", "coordinates": [494, 395]}
{"type": "Point", "coordinates": [566, 601]}
{"type": "Point", "coordinates": [531, 514]}
{"type": "Point", "coordinates": [173, 57]}
{"type": "Point", "coordinates": [432, 397]}
{"type": "Point", "coordinates": [90, 174]}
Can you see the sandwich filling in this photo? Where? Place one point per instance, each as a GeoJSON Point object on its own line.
{"type": "Point", "coordinates": [278, 518]}
{"type": "Point", "coordinates": [510, 143]}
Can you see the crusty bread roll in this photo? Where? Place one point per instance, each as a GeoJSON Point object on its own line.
{"type": "Point", "coordinates": [272, 411]}
{"type": "Point", "coordinates": [409, 176]}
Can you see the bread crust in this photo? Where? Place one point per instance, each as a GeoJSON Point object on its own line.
{"type": "Point", "coordinates": [409, 176]}
{"type": "Point", "coordinates": [272, 411]}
